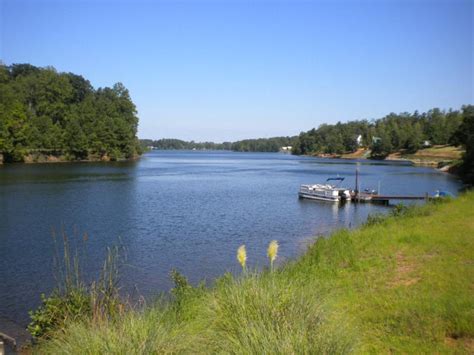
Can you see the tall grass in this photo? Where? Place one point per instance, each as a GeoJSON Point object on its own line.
{"type": "Point", "coordinates": [401, 285]}
{"type": "Point", "coordinates": [273, 314]}
{"type": "Point", "coordinates": [74, 299]}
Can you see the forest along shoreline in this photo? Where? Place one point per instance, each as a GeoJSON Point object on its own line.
{"type": "Point", "coordinates": [442, 139]}
{"type": "Point", "coordinates": [50, 116]}
{"type": "Point", "coordinates": [445, 160]}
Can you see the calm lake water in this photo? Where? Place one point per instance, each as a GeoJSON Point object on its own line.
{"type": "Point", "coordinates": [184, 210]}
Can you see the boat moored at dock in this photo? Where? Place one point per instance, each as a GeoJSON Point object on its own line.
{"type": "Point", "coordinates": [325, 192]}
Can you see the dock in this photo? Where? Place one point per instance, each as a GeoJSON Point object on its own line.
{"type": "Point", "coordinates": [375, 197]}
{"type": "Point", "coordinates": [384, 199]}
{"type": "Point", "coordinates": [12, 336]}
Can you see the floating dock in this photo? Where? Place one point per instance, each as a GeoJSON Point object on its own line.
{"type": "Point", "coordinates": [358, 196]}
{"type": "Point", "coordinates": [383, 199]}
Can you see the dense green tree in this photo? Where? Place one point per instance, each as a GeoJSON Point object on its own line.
{"type": "Point", "coordinates": [14, 125]}
{"type": "Point", "coordinates": [414, 138]}
{"type": "Point", "coordinates": [394, 132]}
{"type": "Point", "coordinates": [465, 136]}
{"type": "Point", "coordinates": [43, 111]}
{"type": "Point", "coordinates": [382, 145]}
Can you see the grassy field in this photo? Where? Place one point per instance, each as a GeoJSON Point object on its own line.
{"type": "Point", "coordinates": [400, 284]}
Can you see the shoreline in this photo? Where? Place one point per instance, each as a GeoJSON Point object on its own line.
{"type": "Point", "coordinates": [429, 164]}
{"type": "Point", "coordinates": [410, 261]}
{"type": "Point", "coordinates": [53, 159]}
{"type": "Point", "coordinates": [445, 166]}
{"type": "Point", "coordinates": [441, 163]}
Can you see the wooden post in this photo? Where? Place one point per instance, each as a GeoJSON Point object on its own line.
{"type": "Point", "coordinates": [357, 184]}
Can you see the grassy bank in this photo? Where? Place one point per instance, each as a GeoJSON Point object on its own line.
{"type": "Point", "coordinates": [437, 156]}
{"type": "Point", "coordinates": [404, 284]}
{"type": "Point", "coordinates": [433, 156]}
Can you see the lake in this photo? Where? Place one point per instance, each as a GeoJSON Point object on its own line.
{"type": "Point", "coordinates": [176, 209]}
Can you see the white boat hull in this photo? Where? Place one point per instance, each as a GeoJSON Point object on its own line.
{"type": "Point", "coordinates": [318, 197]}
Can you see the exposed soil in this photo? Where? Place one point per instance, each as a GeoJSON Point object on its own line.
{"type": "Point", "coordinates": [404, 272]}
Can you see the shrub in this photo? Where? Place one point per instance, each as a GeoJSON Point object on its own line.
{"type": "Point", "coordinates": [58, 309]}
{"type": "Point", "coordinates": [374, 219]}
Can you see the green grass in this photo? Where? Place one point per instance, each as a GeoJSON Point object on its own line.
{"type": "Point", "coordinates": [403, 284]}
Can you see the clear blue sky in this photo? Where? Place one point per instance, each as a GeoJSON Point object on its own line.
{"type": "Point", "coordinates": [226, 70]}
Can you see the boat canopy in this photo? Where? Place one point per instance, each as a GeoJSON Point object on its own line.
{"type": "Point", "coordinates": [336, 178]}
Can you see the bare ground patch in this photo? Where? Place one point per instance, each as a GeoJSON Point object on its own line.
{"type": "Point", "coordinates": [467, 344]}
{"type": "Point", "coordinates": [404, 272]}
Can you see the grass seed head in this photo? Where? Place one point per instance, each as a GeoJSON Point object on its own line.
{"type": "Point", "coordinates": [272, 250]}
{"type": "Point", "coordinates": [242, 256]}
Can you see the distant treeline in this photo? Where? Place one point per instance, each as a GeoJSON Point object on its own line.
{"type": "Point", "coordinates": [44, 112]}
{"type": "Point", "coordinates": [248, 145]}
{"type": "Point", "coordinates": [394, 132]}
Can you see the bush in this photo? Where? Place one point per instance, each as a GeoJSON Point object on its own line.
{"type": "Point", "coordinates": [58, 309]}
{"type": "Point", "coordinates": [374, 219]}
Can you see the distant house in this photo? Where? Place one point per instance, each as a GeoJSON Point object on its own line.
{"type": "Point", "coordinates": [426, 144]}
{"type": "Point", "coordinates": [359, 140]}
{"type": "Point", "coordinates": [286, 149]}
{"type": "Point", "coordinates": [376, 140]}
